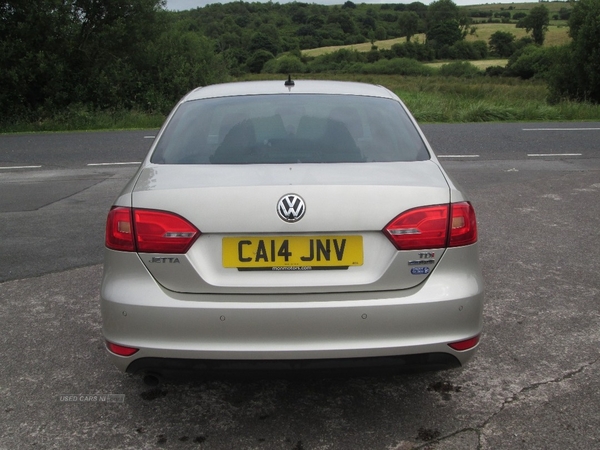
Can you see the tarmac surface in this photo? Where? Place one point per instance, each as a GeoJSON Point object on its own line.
{"type": "Point", "coordinates": [534, 383]}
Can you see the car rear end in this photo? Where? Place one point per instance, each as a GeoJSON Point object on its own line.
{"type": "Point", "coordinates": [302, 227]}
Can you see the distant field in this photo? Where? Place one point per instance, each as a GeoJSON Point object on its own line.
{"type": "Point", "coordinates": [556, 35]}
{"type": "Point", "coordinates": [481, 64]}
{"type": "Point", "coordinates": [364, 47]}
{"type": "Point", "coordinates": [553, 7]}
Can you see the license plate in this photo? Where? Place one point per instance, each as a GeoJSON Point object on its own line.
{"type": "Point", "coordinates": [288, 253]}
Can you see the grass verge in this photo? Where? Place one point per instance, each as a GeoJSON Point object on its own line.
{"type": "Point", "coordinates": [482, 99]}
{"type": "Point", "coordinates": [79, 118]}
{"type": "Point", "coordinates": [431, 99]}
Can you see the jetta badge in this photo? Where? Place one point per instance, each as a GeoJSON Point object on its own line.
{"type": "Point", "coordinates": [291, 208]}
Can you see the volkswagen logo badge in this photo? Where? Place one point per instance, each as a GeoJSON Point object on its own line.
{"type": "Point", "coordinates": [291, 208]}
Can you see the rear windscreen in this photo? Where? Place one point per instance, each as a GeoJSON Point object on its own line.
{"type": "Point", "coordinates": [298, 128]}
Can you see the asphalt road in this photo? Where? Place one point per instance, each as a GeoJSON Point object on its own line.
{"type": "Point", "coordinates": [533, 384]}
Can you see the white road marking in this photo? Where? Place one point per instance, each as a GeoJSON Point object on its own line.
{"type": "Point", "coordinates": [561, 129]}
{"type": "Point", "coordinates": [553, 154]}
{"type": "Point", "coordinates": [20, 167]}
{"type": "Point", "coordinates": [457, 156]}
{"type": "Point", "coordinates": [149, 137]}
{"type": "Point", "coordinates": [115, 163]}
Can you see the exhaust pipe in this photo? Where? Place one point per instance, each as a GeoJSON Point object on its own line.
{"type": "Point", "coordinates": [151, 379]}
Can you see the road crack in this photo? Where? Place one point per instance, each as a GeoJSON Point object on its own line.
{"type": "Point", "coordinates": [507, 401]}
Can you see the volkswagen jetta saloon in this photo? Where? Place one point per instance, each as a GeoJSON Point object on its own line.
{"type": "Point", "coordinates": [296, 225]}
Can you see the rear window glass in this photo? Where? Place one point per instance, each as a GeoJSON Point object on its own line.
{"type": "Point", "coordinates": [299, 128]}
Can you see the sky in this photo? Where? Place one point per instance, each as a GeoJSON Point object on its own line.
{"type": "Point", "coordinates": [180, 5]}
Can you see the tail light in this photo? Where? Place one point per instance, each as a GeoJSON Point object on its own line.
{"type": "Point", "coordinates": [149, 231]}
{"type": "Point", "coordinates": [119, 231]}
{"type": "Point", "coordinates": [463, 228]}
{"type": "Point", "coordinates": [449, 225]}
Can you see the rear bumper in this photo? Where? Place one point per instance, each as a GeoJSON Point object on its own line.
{"type": "Point", "coordinates": [173, 368]}
{"type": "Point", "coordinates": [200, 331]}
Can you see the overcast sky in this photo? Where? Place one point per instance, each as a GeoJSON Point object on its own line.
{"type": "Point", "coordinates": [179, 5]}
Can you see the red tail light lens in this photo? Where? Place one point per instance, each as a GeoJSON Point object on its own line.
{"type": "Point", "coordinates": [149, 231]}
{"type": "Point", "coordinates": [119, 231]}
{"type": "Point", "coordinates": [163, 232]}
{"type": "Point", "coordinates": [430, 227]}
{"type": "Point", "coordinates": [420, 228]}
{"type": "Point", "coordinates": [463, 228]}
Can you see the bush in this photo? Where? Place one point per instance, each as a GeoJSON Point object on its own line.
{"type": "Point", "coordinates": [464, 50]}
{"type": "Point", "coordinates": [335, 61]}
{"type": "Point", "coordinates": [286, 64]}
{"type": "Point", "coordinates": [257, 60]}
{"type": "Point", "coordinates": [502, 44]}
{"type": "Point", "coordinates": [373, 55]}
{"type": "Point", "coordinates": [462, 69]}
{"type": "Point", "coordinates": [481, 49]}
{"type": "Point", "coordinates": [564, 13]}
{"type": "Point", "coordinates": [495, 71]}
{"type": "Point", "coordinates": [531, 61]}
{"type": "Point", "coordinates": [523, 42]}
{"type": "Point", "coordinates": [396, 66]}
{"type": "Point", "coordinates": [414, 50]}
{"type": "Point", "coordinates": [331, 42]}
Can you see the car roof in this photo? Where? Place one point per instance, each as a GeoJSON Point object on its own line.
{"type": "Point", "coordinates": [280, 87]}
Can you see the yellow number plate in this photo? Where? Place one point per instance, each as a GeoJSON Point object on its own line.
{"type": "Point", "coordinates": [292, 252]}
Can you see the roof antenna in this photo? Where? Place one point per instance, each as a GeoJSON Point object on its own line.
{"type": "Point", "coordinates": [289, 83]}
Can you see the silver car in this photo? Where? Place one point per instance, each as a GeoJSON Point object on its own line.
{"type": "Point", "coordinates": [290, 225]}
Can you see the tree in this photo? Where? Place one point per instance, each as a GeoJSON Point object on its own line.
{"type": "Point", "coordinates": [35, 46]}
{"type": "Point", "coordinates": [409, 23]}
{"type": "Point", "coordinates": [57, 52]}
{"type": "Point", "coordinates": [257, 60]}
{"type": "Point", "coordinates": [345, 21]}
{"type": "Point", "coordinates": [577, 70]}
{"type": "Point", "coordinates": [419, 8]}
{"type": "Point", "coordinates": [445, 24]}
{"type": "Point", "coordinates": [564, 13]}
{"type": "Point", "coordinates": [444, 33]}
{"type": "Point", "coordinates": [176, 63]}
{"type": "Point", "coordinates": [441, 11]}
{"type": "Point", "coordinates": [266, 39]}
{"type": "Point", "coordinates": [502, 43]}
{"type": "Point", "coordinates": [537, 22]}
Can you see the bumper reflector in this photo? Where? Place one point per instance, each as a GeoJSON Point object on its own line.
{"type": "Point", "coordinates": [120, 349]}
{"type": "Point", "coordinates": [466, 344]}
